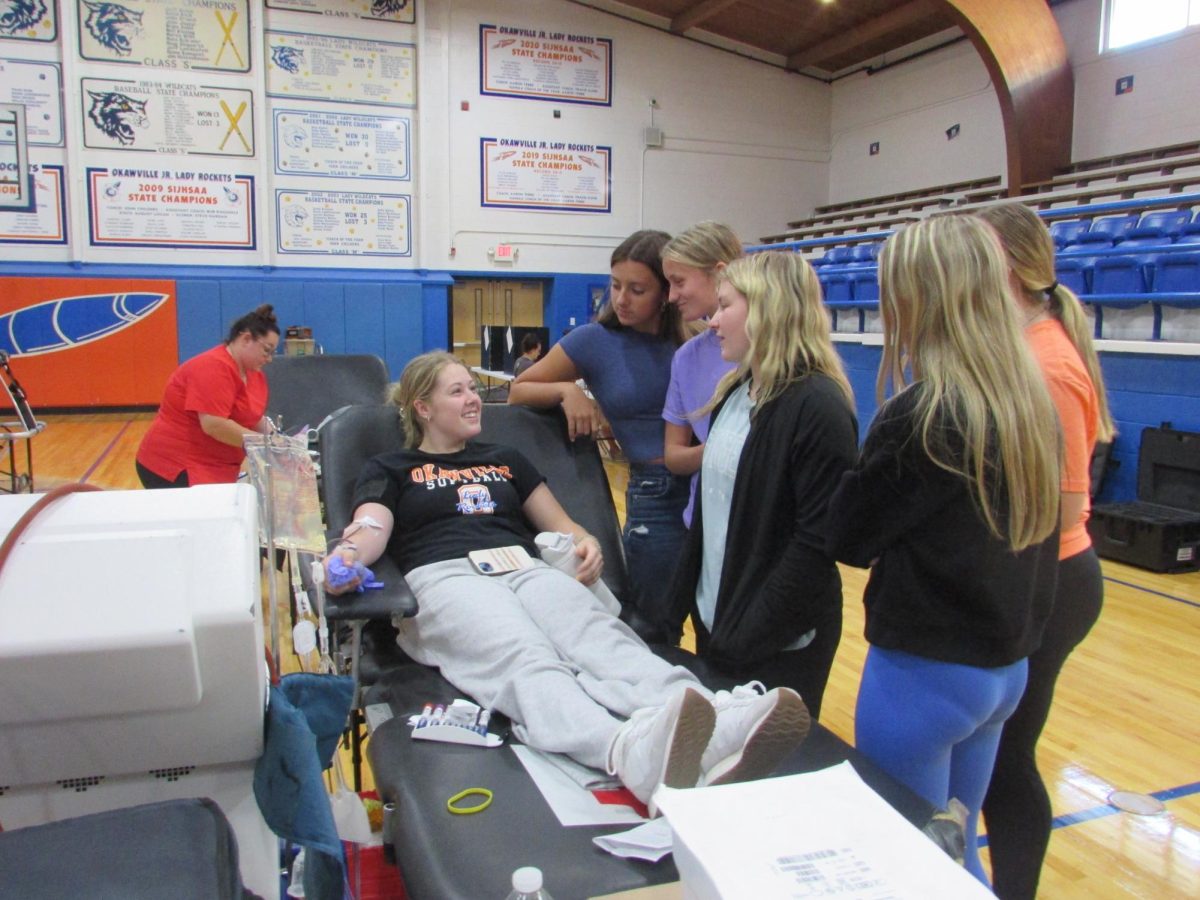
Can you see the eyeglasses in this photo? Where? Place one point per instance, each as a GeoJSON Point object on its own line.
{"type": "Point", "coordinates": [267, 349]}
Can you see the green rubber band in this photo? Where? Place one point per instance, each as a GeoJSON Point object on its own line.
{"type": "Point", "coordinates": [467, 810]}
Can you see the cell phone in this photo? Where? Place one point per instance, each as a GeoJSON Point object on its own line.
{"type": "Point", "coordinates": [500, 561]}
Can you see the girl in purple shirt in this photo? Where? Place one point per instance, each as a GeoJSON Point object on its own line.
{"type": "Point", "coordinates": [693, 261]}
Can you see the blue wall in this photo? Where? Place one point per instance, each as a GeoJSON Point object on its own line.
{"type": "Point", "coordinates": [397, 315]}
{"type": "Point", "coordinates": [1144, 391]}
{"type": "Point", "coordinates": [393, 315]}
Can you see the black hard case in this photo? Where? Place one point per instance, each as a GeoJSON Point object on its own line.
{"type": "Point", "coordinates": [1160, 531]}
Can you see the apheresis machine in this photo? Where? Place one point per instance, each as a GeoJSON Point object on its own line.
{"type": "Point", "coordinates": [132, 659]}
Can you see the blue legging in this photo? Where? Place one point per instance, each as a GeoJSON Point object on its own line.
{"type": "Point", "coordinates": [935, 726]}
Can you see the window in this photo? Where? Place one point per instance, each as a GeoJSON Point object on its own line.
{"type": "Point", "coordinates": [1134, 21]}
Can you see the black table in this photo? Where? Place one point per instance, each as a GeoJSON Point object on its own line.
{"type": "Point", "coordinates": [442, 856]}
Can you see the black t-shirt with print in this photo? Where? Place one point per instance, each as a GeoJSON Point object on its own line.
{"type": "Point", "coordinates": [448, 504]}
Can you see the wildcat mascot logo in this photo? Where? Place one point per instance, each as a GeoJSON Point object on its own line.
{"type": "Point", "coordinates": [20, 15]}
{"type": "Point", "coordinates": [287, 58]}
{"type": "Point", "coordinates": [117, 114]}
{"type": "Point", "coordinates": [382, 8]}
{"type": "Point", "coordinates": [112, 25]}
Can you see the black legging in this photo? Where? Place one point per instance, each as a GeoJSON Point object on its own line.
{"type": "Point", "coordinates": [806, 671]}
{"type": "Point", "coordinates": [1017, 806]}
{"type": "Point", "coordinates": [151, 480]}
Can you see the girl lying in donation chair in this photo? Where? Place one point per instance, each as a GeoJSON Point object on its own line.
{"type": "Point", "coordinates": [532, 642]}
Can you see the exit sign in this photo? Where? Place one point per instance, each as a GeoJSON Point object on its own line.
{"type": "Point", "coordinates": [505, 253]}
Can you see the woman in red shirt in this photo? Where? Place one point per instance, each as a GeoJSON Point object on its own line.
{"type": "Point", "coordinates": [210, 403]}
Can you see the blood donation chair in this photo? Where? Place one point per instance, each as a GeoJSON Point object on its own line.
{"type": "Point", "coordinates": [303, 390]}
{"type": "Point", "coordinates": [446, 856]}
{"type": "Point", "coordinates": [132, 668]}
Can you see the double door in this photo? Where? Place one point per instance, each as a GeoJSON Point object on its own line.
{"type": "Point", "coordinates": [477, 302]}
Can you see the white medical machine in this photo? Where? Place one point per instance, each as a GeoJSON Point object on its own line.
{"type": "Point", "coordinates": [132, 659]}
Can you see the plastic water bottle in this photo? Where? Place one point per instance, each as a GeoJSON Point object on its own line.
{"type": "Point", "coordinates": [527, 885]}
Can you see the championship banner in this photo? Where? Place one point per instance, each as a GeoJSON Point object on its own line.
{"type": "Point", "coordinates": [341, 69]}
{"type": "Point", "coordinates": [165, 208]}
{"type": "Point", "coordinates": [540, 65]}
{"type": "Point", "coordinates": [47, 224]}
{"type": "Point", "coordinates": [341, 145]}
{"type": "Point", "coordinates": [343, 223]}
{"type": "Point", "coordinates": [29, 20]}
{"type": "Point", "coordinates": [545, 175]}
{"type": "Point", "coordinates": [38, 85]}
{"type": "Point", "coordinates": [78, 342]}
{"type": "Point", "coordinates": [167, 117]}
{"type": "Point", "coordinates": [208, 35]}
{"type": "Point", "coordinates": [402, 11]}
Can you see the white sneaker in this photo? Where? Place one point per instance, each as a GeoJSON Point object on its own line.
{"type": "Point", "coordinates": [662, 745]}
{"type": "Point", "coordinates": [755, 730]}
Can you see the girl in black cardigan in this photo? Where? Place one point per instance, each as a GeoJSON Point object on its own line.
{"type": "Point", "coordinates": [954, 506]}
{"type": "Point", "coordinates": [764, 593]}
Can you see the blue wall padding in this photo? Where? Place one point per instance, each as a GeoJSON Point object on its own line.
{"type": "Point", "coordinates": [1144, 390]}
{"type": "Point", "coordinates": [398, 315]}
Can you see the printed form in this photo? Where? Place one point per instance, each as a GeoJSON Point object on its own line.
{"type": "Point", "coordinates": [822, 834]}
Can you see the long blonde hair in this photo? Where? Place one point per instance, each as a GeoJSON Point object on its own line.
{"type": "Point", "coordinates": [1030, 250]}
{"type": "Point", "coordinates": [786, 324]}
{"type": "Point", "coordinates": [417, 382]}
{"type": "Point", "coordinates": [947, 317]}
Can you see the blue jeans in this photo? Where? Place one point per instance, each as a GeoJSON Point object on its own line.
{"type": "Point", "coordinates": [935, 726]}
{"type": "Point", "coordinates": [653, 535]}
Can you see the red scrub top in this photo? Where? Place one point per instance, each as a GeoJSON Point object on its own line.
{"type": "Point", "coordinates": [209, 383]}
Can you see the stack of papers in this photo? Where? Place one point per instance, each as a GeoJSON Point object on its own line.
{"type": "Point", "coordinates": [822, 834]}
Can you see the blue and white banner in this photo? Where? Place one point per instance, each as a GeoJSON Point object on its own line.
{"type": "Point", "coordinates": [402, 11]}
{"type": "Point", "coordinates": [47, 224]}
{"type": "Point", "coordinates": [29, 20]}
{"type": "Point", "coordinates": [170, 208]}
{"type": "Point", "coordinates": [167, 117]}
{"type": "Point", "coordinates": [540, 65]}
{"type": "Point", "coordinates": [547, 175]}
{"type": "Point", "coordinates": [343, 223]}
{"type": "Point", "coordinates": [341, 69]}
{"type": "Point", "coordinates": [209, 35]}
{"type": "Point", "coordinates": [342, 145]}
{"type": "Point", "coordinates": [37, 85]}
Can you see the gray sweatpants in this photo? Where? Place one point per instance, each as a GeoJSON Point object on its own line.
{"type": "Point", "coordinates": [537, 646]}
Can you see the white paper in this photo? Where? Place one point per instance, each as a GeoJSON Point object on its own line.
{"type": "Point", "coordinates": [822, 834]}
{"type": "Point", "coordinates": [570, 803]}
{"type": "Point", "coordinates": [558, 549]}
{"type": "Point", "coordinates": [650, 841]}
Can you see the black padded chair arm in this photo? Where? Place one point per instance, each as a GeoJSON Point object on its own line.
{"type": "Point", "coordinates": [395, 598]}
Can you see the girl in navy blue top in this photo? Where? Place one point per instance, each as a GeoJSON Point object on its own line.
{"type": "Point", "coordinates": [624, 357]}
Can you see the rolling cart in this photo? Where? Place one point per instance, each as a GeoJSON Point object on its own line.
{"type": "Point", "coordinates": [24, 428]}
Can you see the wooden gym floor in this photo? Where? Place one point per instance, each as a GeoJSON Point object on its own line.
{"type": "Point", "coordinates": [1126, 714]}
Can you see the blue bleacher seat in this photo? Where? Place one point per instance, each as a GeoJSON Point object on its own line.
{"type": "Point", "coordinates": [838, 255]}
{"type": "Point", "coordinates": [817, 261]}
{"type": "Point", "coordinates": [1190, 234]}
{"type": "Point", "coordinates": [1089, 242]}
{"type": "Point", "coordinates": [1118, 227]}
{"type": "Point", "coordinates": [864, 254]}
{"type": "Point", "coordinates": [1064, 231]}
{"type": "Point", "coordinates": [1141, 238]}
{"type": "Point", "coordinates": [1164, 222]}
{"type": "Point", "coordinates": [1177, 272]}
{"type": "Point", "coordinates": [1073, 273]}
{"type": "Point", "coordinates": [837, 287]}
{"type": "Point", "coordinates": [865, 287]}
{"type": "Point", "coordinates": [1118, 275]}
